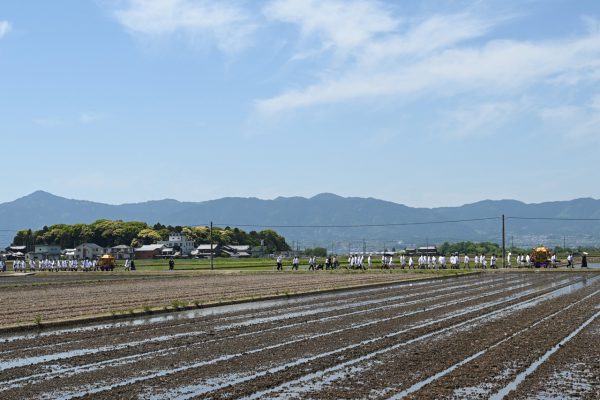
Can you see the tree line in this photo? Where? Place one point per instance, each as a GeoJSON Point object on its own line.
{"type": "Point", "coordinates": [108, 233]}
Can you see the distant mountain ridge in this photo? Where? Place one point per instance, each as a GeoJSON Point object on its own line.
{"type": "Point", "coordinates": [323, 211]}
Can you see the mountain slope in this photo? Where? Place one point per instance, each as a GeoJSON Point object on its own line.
{"type": "Point", "coordinates": [325, 218]}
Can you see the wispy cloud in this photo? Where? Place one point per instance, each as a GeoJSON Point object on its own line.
{"type": "Point", "coordinates": [84, 118]}
{"type": "Point", "coordinates": [478, 119]}
{"type": "Point", "coordinates": [577, 121]}
{"type": "Point", "coordinates": [343, 26]}
{"type": "Point", "coordinates": [50, 122]}
{"type": "Point", "coordinates": [90, 117]}
{"type": "Point", "coordinates": [5, 28]}
{"type": "Point", "coordinates": [436, 56]}
{"type": "Point", "coordinates": [224, 22]}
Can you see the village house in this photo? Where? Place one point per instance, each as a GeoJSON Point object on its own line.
{"type": "Point", "coordinates": [149, 251]}
{"type": "Point", "coordinates": [203, 250]}
{"type": "Point", "coordinates": [233, 250]}
{"type": "Point", "coordinates": [179, 242]}
{"type": "Point", "coordinates": [122, 252]}
{"type": "Point", "coordinates": [45, 251]}
{"type": "Point", "coordinates": [14, 252]}
{"type": "Point", "coordinates": [89, 250]}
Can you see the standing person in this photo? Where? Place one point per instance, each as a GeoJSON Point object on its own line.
{"type": "Point", "coordinates": [442, 260]}
{"type": "Point", "coordinates": [328, 262]}
{"type": "Point", "coordinates": [171, 264]}
{"type": "Point", "coordinates": [493, 261]}
{"type": "Point", "coordinates": [2, 265]}
{"type": "Point", "coordinates": [508, 259]}
{"type": "Point", "coordinates": [311, 263]}
{"type": "Point", "coordinates": [369, 261]}
{"type": "Point", "coordinates": [410, 262]}
{"type": "Point", "coordinates": [466, 261]}
{"type": "Point", "coordinates": [279, 263]}
{"type": "Point", "coordinates": [584, 260]}
{"type": "Point", "coordinates": [295, 263]}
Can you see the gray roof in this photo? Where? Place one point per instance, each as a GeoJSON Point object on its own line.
{"type": "Point", "coordinates": [239, 247]}
{"type": "Point", "coordinates": [150, 247]}
{"type": "Point", "coordinates": [206, 247]}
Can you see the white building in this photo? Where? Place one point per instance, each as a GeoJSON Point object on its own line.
{"type": "Point", "coordinates": [45, 251]}
{"type": "Point", "coordinates": [180, 241]}
{"type": "Point", "coordinates": [89, 250]}
{"type": "Point", "coordinates": [122, 252]}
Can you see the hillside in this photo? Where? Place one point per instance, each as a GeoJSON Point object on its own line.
{"type": "Point", "coordinates": [42, 208]}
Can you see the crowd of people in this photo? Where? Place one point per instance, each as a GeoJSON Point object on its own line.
{"type": "Point", "coordinates": [453, 261]}
{"type": "Point", "coordinates": [72, 265]}
{"type": "Point", "coordinates": [46, 265]}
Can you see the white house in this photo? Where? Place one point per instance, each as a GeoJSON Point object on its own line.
{"type": "Point", "coordinates": [181, 241]}
{"type": "Point", "coordinates": [45, 251]}
{"type": "Point", "coordinates": [122, 252]}
{"type": "Point", "coordinates": [89, 250]}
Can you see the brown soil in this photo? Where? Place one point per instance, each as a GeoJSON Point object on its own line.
{"type": "Point", "coordinates": [367, 343]}
{"type": "Point", "coordinates": [62, 298]}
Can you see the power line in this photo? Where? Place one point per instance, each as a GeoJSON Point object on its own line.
{"type": "Point", "coordinates": [555, 219]}
{"type": "Point", "coordinates": [360, 225]}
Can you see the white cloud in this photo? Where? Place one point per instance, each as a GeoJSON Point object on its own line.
{"type": "Point", "coordinates": [84, 118]}
{"type": "Point", "coordinates": [222, 21]}
{"type": "Point", "coordinates": [5, 28]}
{"type": "Point", "coordinates": [50, 122]}
{"type": "Point", "coordinates": [577, 121]}
{"type": "Point", "coordinates": [341, 25]}
{"type": "Point", "coordinates": [479, 119]}
{"type": "Point", "coordinates": [90, 117]}
{"type": "Point", "coordinates": [442, 55]}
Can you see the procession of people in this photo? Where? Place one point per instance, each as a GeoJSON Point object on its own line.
{"type": "Point", "coordinates": [56, 265]}
{"type": "Point", "coordinates": [364, 261]}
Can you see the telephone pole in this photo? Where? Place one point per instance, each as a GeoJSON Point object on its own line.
{"type": "Point", "coordinates": [211, 246]}
{"type": "Point", "coordinates": [503, 243]}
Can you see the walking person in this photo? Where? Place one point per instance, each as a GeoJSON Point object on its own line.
{"type": "Point", "coordinates": [584, 263]}
{"type": "Point", "coordinates": [279, 263]}
{"type": "Point", "coordinates": [295, 263]}
{"type": "Point", "coordinates": [311, 263]}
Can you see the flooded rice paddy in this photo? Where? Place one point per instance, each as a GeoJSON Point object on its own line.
{"type": "Point", "coordinates": [505, 335]}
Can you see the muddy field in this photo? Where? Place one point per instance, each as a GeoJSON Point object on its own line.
{"type": "Point", "coordinates": [507, 335]}
{"type": "Point", "coordinates": [61, 296]}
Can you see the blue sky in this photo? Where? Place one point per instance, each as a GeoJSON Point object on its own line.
{"type": "Point", "coordinates": [425, 103]}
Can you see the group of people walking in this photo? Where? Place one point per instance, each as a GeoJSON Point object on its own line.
{"type": "Point", "coordinates": [46, 265]}
{"type": "Point", "coordinates": [454, 261]}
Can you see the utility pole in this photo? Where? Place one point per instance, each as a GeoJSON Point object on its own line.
{"type": "Point", "coordinates": [211, 247]}
{"type": "Point", "coordinates": [564, 243]}
{"type": "Point", "coordinates": [503, 243]}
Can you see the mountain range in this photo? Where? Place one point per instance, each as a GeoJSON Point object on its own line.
{"type": "Point", "coordinates": [329, 220]}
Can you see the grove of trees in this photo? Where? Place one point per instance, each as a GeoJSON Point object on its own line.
{"type": "Point", "coordinates": [107, 233]}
